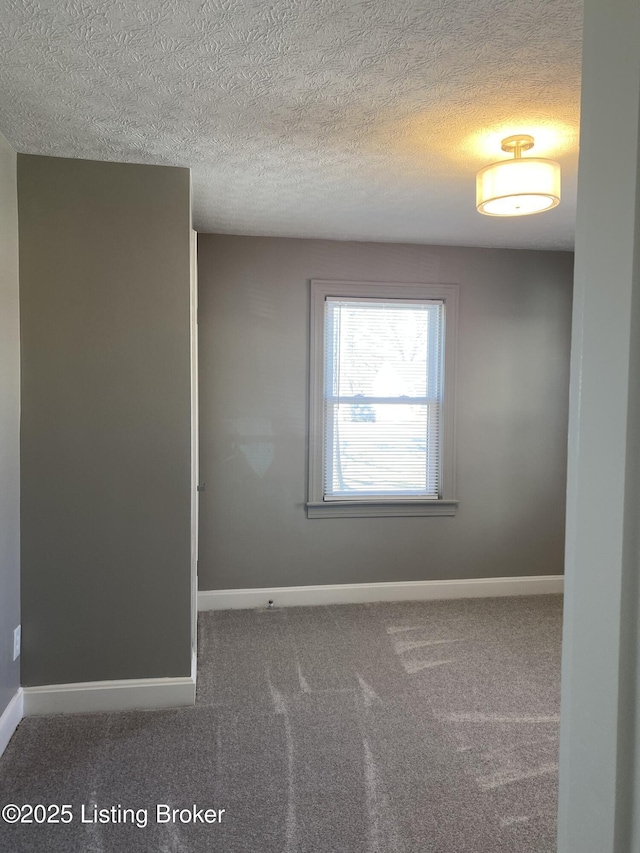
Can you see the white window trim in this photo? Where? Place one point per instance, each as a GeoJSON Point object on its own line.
{"type": "Point", "coordinates": [446, 503]}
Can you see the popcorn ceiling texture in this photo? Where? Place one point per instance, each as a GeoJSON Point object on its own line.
{"type": "Point", "coordinates": [313, 118]}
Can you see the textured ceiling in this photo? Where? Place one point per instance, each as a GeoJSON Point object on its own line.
{"type": "Point", "coordinates": [352, 120]}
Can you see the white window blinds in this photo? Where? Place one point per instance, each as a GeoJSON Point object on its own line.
{"type": "Point", "coordinates": [382, 398]}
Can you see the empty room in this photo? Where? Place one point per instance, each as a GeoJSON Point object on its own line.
{"type": "Point", "coordinates": [318, 426]}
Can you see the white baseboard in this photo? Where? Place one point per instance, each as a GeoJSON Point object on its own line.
{"type": "Point", "coordinates": [360, 593]}
{"type": "Point", "coordinates": [10, 719]}
{"type": "Point", "coordinates": [125, 695]}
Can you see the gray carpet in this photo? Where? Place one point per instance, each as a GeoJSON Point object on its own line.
{"type": "Point", "coordinates": [390, 728]}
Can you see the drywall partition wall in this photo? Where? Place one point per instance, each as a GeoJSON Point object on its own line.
{"type": "Point", "coordinates": [9, 425]}
{"type": "Point", "coordinates": [512, 401]}
{"type": "Point", "coordinates": [599, 787]}
{"type": "Point", "coordinates": [105, 296]}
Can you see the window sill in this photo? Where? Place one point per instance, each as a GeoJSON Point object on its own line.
{"type": "Point", "coordinates": [380, 509]}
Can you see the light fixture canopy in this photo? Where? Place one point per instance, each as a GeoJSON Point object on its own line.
{"type": "Point", "coordinates": [520, 186]}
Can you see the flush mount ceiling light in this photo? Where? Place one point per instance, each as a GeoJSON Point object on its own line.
{"type": "Point", "coordinates": [520, 186]}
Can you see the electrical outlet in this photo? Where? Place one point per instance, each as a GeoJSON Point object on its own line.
{"type": "Point", "coordinates": [16, 641]}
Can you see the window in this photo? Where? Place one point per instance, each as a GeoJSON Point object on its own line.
{"type": "Point", "coordinates": [381, 399]}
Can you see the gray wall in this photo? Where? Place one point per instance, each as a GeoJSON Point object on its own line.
{"type": "Point", "coordinates": [599, 784]}
{"type": "Point", "coordinates": [513, 362]}
{"type": "Point", "coordinates": [9, 425]}
{"type": "Point", "coordinates": [104, 279]}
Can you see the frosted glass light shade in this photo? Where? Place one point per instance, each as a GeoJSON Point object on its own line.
{"type": "Point", "coordinates": [518, 187]}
